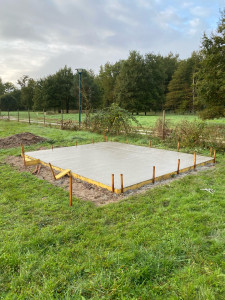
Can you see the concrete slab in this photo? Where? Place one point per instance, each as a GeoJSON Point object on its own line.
{"type": "Point", "coordinates": [95, 163]}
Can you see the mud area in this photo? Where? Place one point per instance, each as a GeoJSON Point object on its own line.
{"type": "Point", "coordinates": [25, 138]}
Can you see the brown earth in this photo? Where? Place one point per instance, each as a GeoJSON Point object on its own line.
{"type": "Point", "coordinates": [81, 190]}
{"type": "Point", "coordinates": [25, 138]}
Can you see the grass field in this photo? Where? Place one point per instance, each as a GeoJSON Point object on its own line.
{"type": "Point", "coordinates": [145, 121]}
{"type": "Point", "coordinates": [167, 243]}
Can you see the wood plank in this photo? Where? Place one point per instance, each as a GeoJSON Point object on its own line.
{"type": "Point", "coordinates": [63, 173]}
{"type": "Point", "coordinates": [32, 162]}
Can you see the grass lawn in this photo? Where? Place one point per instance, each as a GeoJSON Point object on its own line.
{"type": "Point", "coordinates": [145, 121]}
{"type": "Point", "coordinates": [167, 243]}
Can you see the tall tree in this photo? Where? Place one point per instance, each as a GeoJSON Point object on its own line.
{"type": "Point", "coordinates": [180, 94]}
{"type": "Point", "coordinates": [107, 81]}
{"type": "Point", "coordinates": [130, 86]}
{"type": "Point", "coordinates": [211, 76]}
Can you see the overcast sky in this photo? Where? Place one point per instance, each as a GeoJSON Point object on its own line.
{"type": "Point", "coordinates": [38, 37]}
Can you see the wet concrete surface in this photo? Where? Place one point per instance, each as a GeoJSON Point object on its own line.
{"type": "Point", "coordinates": [100, 160]}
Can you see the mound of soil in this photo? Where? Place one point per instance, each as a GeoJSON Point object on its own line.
{"type": "Point", "coordinates": [25, 138]}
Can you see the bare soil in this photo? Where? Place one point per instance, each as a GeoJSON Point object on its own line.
{"type": "Point", "coordinates": [81, 190]}
{"type": "Point", "coordinates": [25, 138]}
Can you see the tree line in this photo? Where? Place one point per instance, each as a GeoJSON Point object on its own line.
{"type": "Point", "coordinates": [140, 83]}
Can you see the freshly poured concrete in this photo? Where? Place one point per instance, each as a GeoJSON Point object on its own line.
{"type": "Point", "coordinates": [97, 162]}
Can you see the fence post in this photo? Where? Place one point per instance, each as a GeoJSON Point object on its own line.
{"type": "Point", "coordinates": [29, 115]}
{"type": "Point", "coordinates": [163, 125]}
{"type": "Point", "coordinates": [18, 115]}
{"type": "Point", "coordinates": [61, 118]}
{"type": "Point", "coordinates": [8, 114]}
{"type": "Point", "coordinates": [44, 117]}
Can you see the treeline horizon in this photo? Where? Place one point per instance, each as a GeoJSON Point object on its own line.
{"type": "Point", "coordinates": [140, 83]}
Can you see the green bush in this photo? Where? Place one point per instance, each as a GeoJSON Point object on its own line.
{"type": "Point", "coordinates": [112, 120]}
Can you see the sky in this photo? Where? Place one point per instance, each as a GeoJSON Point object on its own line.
{"type": "Point", "coordinates": [38, 37]}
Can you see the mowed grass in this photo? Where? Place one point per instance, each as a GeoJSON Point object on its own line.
{"type": "Point", "coordinates": [167, 243]}
{"type": "Point", "coordinates": [148, 121]}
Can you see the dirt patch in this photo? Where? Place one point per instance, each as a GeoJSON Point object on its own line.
{"type": "Point", "coordinates": [81, 190]}
{"type": "Point", "coordinates": [26, 138]}
{"type": "Point", "coordinates": [90, 192]}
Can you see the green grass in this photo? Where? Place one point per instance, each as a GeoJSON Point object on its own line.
{"type": "Point", "coordinates": [167, 243]}
{"type": "Point", "coordinates": [145, 121]}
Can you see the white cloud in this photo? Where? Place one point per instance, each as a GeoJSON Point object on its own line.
{"type": "Point", "coordinates": [39, 37]}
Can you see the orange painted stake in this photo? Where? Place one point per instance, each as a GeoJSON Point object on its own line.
{"type": "Point", "coordinates": [211, 150]}
{"type": "Point", "coordinates": [178, 146]}
{"type": "Point", "coordinates": [153, 175]}
{"type": "Point", "coordinates": [214, 158]}
{"type": "Point", "coordinates": [113, 183]}
{"type": "Point", "coordinates": [71, 189]}
{"type": "Point", "coordinates": [178, 166]}
{"type": "Point", "coordinates": [149, 144]}
{"type": "Point", "coordinates": [93, 141]}
{"type": "Point", "coordinates": [23, 155]}
{"type": "Point", "coordinates": [53, 174]}
{"type": "Point", "coordinates": [121, 179]}
{"type": "Point", "coordinates": [52, 147]}
{"type": "Point", "coordinates": [194, 160]}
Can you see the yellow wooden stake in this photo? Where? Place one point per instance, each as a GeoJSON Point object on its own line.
{"type": "Point", "coordinates": [121, 180]}
{"type": "Point", "coordinates": [153, 175]}
{"type": "Point", "coordinates": [194, 160]}
{"type": "Point", "coordinates": [178, 166]}
{"type": "Point", "coordinates": [113, 189]}
{"type": "Point", "coordinates": [71, 190]}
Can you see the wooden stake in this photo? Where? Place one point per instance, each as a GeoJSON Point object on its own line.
{"type": "Point", "coordinates": [52, 147]}
{"type": "Point", "coordinates": [22, 154]}
{"type": "Point", "coordinates": [71, 189]}
{"type": "Point", "coordinates": [106, 139]}
{"type": "Point", "coordinates": [111, 139]}
{"type": "Point", "coordinates": [76, 143]}
{"type": "Point", "coordinates": [214, 158]}
{"type": "Point", "coordinates": [93, 141]}
{"type": "Point", "coordinates": [53, 174]}
{"type": "Point", "coordinates": [194, 160]}
{"type": "Point", "coordinates": [153, 175]}
{"type": "Point", "coordinates": [211, 150]}
{"type": "Point", "coordinates": [149, 144]}
{"type": "Point", "coordinates": [113, 183]}
{"type": "Point", "coordinates": [121, 180]}
{"type": "Point", "coordinates": [127, 141]}
{"type": "Point", "coordinates": [178, 166]}
{"type": "Point", "coordinates": [18, 115]}
{"type": "Point", "coordinates": [178, 146]}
